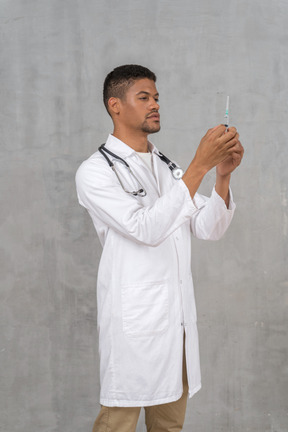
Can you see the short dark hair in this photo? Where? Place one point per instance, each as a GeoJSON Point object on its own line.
{"type": "Point", "coordinates": [121, 78]}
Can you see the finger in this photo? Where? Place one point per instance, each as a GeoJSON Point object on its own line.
{"type": "Point", "coordinates": [236, 158]}
{"type": "Point", "coordinates": [229, 139]}
{"type": "Point", "coordinates": [217, 130]}
{"type": "Point", "coordinates": [242, 148]}
{"type": "Point", "coordinates": [232, 128]}
{"type": "Point", "coordinates": [238, 148]}
{"type": "Point", "coordinates": [232, 132]}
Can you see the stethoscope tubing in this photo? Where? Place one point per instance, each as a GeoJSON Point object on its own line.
{"type": "Point", "coordinates": [175, 170]}
{"type": "Point", "coordinates": [103, 149]}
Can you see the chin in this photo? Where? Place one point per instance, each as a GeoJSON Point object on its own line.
{"type": "Point", "coordinates": [151, 130]}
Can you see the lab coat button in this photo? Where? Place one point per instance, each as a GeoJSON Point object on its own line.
{"type": "Point", "coordinates": [181, 282]}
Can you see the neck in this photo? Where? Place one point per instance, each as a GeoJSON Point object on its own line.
{"type": "Point", "coordinates": [137, 140]}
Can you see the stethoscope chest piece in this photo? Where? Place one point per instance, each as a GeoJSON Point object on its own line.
{"type": "Point", "coordinates": [177, 173]}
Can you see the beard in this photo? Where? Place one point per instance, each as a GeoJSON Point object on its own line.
{"type": "Point", "coordinates": [150, 129]}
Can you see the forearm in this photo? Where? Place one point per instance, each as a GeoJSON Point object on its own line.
{"type": "Point", "coordinates": [193, 177]}
{"type": "Point", "coordinates": [222, 187]}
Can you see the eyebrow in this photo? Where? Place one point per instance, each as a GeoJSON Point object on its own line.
{"type": "Point", "coordinates": [147, 93]}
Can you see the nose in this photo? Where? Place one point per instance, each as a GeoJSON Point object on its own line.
{"type": "Point", "coordinates": [154, 104]}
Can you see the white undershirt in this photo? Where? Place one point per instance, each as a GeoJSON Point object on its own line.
{"type": "Point", "coordinates": [147, 158]}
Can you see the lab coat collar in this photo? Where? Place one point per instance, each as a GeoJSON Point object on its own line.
{"type": "Point", "coordinates": [123, 150]}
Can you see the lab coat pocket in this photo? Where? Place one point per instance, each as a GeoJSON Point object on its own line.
{"type": "Point", "coordinates": [145, 308]}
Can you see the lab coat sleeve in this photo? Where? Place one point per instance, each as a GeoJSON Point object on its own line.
{"type": "Point", "coordinates": [213, 218]}
{"type": "Point", "coordinates": [101, 194]}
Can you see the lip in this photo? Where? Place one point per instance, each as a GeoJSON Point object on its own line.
{"type": "Point", "coordinates": [154, 116]}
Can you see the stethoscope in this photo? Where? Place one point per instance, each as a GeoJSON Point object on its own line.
{"type": "Point", "coordinates": [176, 171]}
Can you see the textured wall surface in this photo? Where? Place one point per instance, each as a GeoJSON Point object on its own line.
{"type": "Point", "coordinates": [54, 57]}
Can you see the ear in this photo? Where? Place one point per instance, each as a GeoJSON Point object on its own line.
{"type": "Point", "coordinates": [114, 105]}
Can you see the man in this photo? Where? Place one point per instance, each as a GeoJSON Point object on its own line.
{"type": "Point", "coordinates": [144, 216]}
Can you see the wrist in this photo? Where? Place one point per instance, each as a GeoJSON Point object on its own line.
{"type": "Point", "coordinates": [222, 187]}
{"type": "Point", "coordinates": [194, 176]}
{"type": "Point", "coordinates": [198, 168]}
{"type": "Point", "coordinates": [223, 177]}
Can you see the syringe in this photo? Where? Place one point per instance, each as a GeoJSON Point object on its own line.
{"type": "Point", "coordinates": [226, 117]}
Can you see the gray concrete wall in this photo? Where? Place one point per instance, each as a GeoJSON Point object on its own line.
{"type": "Point", "coordinates": [54, 57]}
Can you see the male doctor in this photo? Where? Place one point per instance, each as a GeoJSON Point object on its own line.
{"type": "Point", "coordinates": [144, 215]}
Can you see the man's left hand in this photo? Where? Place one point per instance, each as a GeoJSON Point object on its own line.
{"type": "Point", "coordinates": [232, 162]}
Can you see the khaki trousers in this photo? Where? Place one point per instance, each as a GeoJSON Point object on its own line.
{"type": "Point", "coordinates": [167, 417]}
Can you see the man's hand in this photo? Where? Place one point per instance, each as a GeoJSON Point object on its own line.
{"type": "Point", "coordinates": [224, 170]}
{"type": "Point", "coordinates": [231, 162]}
{"type": "Point", "coordinates": [217, 148]}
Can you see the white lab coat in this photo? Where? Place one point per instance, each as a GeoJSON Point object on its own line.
{"type": "Point", "coordinates": [145, 296]}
